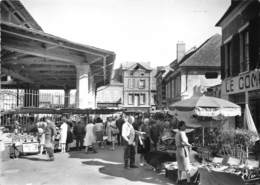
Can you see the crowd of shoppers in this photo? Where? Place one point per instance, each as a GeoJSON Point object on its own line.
{"type": "Point", "coordinates": [136, 134]}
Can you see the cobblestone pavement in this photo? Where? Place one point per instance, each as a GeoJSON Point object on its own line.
{"type": "Point", "coordinates": [78, 168]}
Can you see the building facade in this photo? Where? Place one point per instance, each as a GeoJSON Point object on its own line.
{"type": "Point", "coordinates": [160, 100]}
{"type": "Point", "coordinates": [240, 57]}
{"type": "Point", "coordinates": [110, 96]}
{"type": "Point", "coordinates": [193, 71]}
{"type": "Point", "coordinates": [139, 87]}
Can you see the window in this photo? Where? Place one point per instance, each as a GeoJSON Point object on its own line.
{"type": "Point", "coordinates": [173, 89]}
{"type": "Point", "coordinates": [177, 86]}
{"type": "Point", "coordinates": [228, 59]}
{"type": "Point", "coordinates": [168, 90]}
{"type": "Point", "coordinates": [141, 84]}
{"type": "Point", "coordinates": [131, 83]}
{"type": "Point", "coordinates": [244, 51]}
{"type": "Point", "coordinates": [130, 99]}
{"type": "Point", "coordinates": [142, 99]}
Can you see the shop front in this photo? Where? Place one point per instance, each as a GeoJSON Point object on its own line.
{"type": "Point", "coordinates": [244, 89]}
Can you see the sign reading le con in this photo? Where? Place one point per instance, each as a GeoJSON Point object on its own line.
{"type": "Point", "coordinates": [244, 82]}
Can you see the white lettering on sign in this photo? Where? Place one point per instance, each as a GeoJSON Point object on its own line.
{"type": "Point", "coordinates": [244, 82]}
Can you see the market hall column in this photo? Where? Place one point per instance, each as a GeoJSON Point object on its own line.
{"type": "Point", "coordinates": [82, 94]}
{"type": "Point", "coordinates": [67, 98]}
{"type": "Point", "coordinates": [92, 92]}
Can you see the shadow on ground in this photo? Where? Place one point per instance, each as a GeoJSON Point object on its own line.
{"type": "Point", "coordinates": [34, 158]}
{"type": "Point", "coordinates": [140, 174]}
{"type": "Point", "coordinates": [110, 163]}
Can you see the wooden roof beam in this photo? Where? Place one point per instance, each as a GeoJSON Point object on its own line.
{"type": "Point", "coordinates": [16, 75]}
{"type": "Point", "coordinates": [52, 68]}
{"type": "Point", "coordinates": [31, 48]}
{"type": "Point", "coordinates": [52, 40]}
{"type": "Point", "coordinates": [36, 60]}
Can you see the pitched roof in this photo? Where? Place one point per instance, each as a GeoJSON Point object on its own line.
{"type": "Point", "coordinates": [208, 54]}
{"type": "Point", "coordinates": [185, 57]}
{"type": "Point", "coordinates": [132, 65]}
{"type": "Point", "coordinates": [233, 5]}
{"type": "Point", "coordinates": [167, 70]}
{"type": "Point", "coordinates": [26, 15]}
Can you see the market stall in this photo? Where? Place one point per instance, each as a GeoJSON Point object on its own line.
{"type": "Point", "coordinates": [231, 146]}
{"type": "Point", "coordinates": [17, 144]}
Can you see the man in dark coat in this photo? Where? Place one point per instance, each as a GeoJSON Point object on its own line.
{"type": "Point", "coordinates": [155, 133]}
{"type": "Point", "coordinates": [79, 134]}
{"type": "Point", "coordinates": [119, 124]}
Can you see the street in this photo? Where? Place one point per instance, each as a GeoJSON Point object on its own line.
{"type": "Point", "coordinates": [78, 168]}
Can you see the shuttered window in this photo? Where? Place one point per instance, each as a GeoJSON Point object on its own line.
{"type": "Point", "coordinates": [235, 55]}
{"type": "Point", "coordinates": [222, 50]}
{"type": "Point", "coordinates": [254, 41]}
{"type": "Point", "coordinates": [244, 51]}
{"type": "Point", "coordinates": [130, 99]}
{"type": "Point", "coordinates": [228, 59]}
{"type": "Point", "coordinates": [142, 99]}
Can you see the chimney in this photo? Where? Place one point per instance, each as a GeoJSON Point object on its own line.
{"type": "Point", "coordinates": [180, 50]}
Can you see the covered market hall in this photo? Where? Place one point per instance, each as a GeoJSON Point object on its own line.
{"type": "Point", "coordinates": [33, 60]}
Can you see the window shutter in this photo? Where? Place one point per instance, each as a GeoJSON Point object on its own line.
{"type": "Point", "coordinates": [222, 58]}
{"type": "Point", "coordinates": [253, 48]}
{"type": "Point", "coordinates": [235, 55]}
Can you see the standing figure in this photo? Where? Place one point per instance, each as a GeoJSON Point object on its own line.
{"type": "Point", "coordinates": [99, 131]}
{"type": "Point", "coordinates": [144, 141]}
{"type": "Point", "coordinates": [79, 133]}
{"type": "Point", "coordinates": [128, 134]}
{"type": "Point", "coordinates": [110, 132]}
{"type": "Point", "coordinates": [154, 133]}
{"type": "Point", "coordinates": [41, 126]}
{"type": "Point", "coordinates": [50, 133]}
{"type": "Point", "coordinates": [90, 138]}
{"type": "Point", "coordinates": [119, 124]}
{"type": "Point", "coordinates": [69, 139]}
{"type": "Point", "coordinates": [63, 134]}
{"type": "Point", "coordinates": [183, 151]}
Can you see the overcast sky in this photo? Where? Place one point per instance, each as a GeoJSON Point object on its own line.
{"type": "Point", "coordinates": [136, 30]}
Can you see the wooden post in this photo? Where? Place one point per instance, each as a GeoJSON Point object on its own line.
{"type": "Point", "coordinates": [203, 135]}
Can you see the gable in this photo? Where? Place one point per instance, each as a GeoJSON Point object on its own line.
{"type": "Point", "coordinates": [138, 67]}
